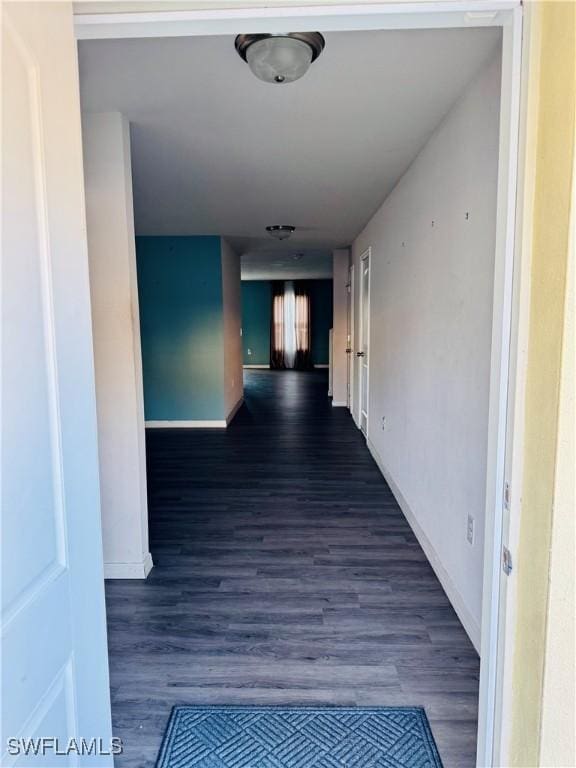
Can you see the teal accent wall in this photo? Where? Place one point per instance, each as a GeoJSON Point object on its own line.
{"type": "Point", "coordinates": [181, 324]}
{"type": "Point", "coordinates": [321, 298]}
{"type": "Point", "coordinates": [256, 309]}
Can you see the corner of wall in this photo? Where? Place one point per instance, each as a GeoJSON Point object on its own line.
{"type": "Point", "coordinates": [232, 315]}
{"type": "Point", "coordinates": [132, 570]}
{"type": "Point", "coordinates": [117, 353]}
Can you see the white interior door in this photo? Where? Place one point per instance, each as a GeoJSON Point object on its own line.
{"type": "Point", "coordinates": [350, 340]}
{"type": "Point", "coordinates": [363, 352]}
{"type": "Point", "coordinates": [54, 655]}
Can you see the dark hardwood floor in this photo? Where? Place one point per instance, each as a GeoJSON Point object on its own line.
{"type": "Point", "coordinates": [285, 573]}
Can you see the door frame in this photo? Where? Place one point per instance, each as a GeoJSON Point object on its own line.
{"type": "Point", "coordinates": [350, 337]}
{"type": "Point", "coordinates": [506, 376]}
{"type": "Point", "coordinates": [364, 256]}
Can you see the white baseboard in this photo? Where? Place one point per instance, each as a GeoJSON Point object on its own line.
{"type": "Point", "coordinates": [129, 570]}
{"type": "Point", "coordinates": [234, 411]}
{"type": "Point", "coordinates": [216, 423]}
{"type": "Point", "coordinates": [468, 621]}
{"type": "Point", "coordinates": [196, 424]}
{"type": "Point", "coordinates": [339, 404]}
{"type": "Point", "coordinates": [319, 365]}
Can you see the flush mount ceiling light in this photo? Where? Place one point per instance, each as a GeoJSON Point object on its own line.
{"type": "Point", "coordinates": [280, 231]}
{"type": "Point", "coordinates": [280, 58]}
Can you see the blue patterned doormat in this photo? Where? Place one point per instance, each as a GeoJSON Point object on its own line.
{"type": "Point", "coordinates": [298, 737]}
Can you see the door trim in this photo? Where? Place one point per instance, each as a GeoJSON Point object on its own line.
{"type": "Point", "coordinates": [232, 21]}
{"type": "Point", "coordinates": [502, 368]}
{"type": "Point", "coordinates": [350, 340]}
{"type": "Point", "coordinates": [505, 374]}
{"type": "Point", "coordinates": [365, 256]}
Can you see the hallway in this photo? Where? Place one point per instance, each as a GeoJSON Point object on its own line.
{"type": "Point", "coordinates": [284, 573]}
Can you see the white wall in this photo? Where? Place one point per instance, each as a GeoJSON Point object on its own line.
{"type": "Point", "coordinates": [340, 274]}
{"type": "Point", "coordinates": [232, 305]}
{"type": "Point", "coordinates": [117, 358]}
{"type": "Point", "coordinates": [433, 244]}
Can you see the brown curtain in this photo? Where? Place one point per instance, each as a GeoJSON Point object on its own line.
{"type": "Point", "coordinates": [277, 326]}
{"type": "Point", "coordinates": [303, 361]}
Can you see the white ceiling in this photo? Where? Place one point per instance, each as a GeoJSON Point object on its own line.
{"type": "Point", "coordinates": [286, 264]}
{"type": "Point", "coordinates": [217, 151]}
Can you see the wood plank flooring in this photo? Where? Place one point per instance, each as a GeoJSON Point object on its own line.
{"type": "Point", "coordinates": [285, 573]}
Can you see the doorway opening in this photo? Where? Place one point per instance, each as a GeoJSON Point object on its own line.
{"type": "Point", "coordinates": [167, 449]}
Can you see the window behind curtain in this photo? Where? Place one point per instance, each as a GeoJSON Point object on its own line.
{"type": "Point", "coordinates": [290, 326]}
{"type": "Point", "coordinates": [302, 323]}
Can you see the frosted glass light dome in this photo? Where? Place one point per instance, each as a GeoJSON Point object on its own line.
{"type": "Point", "coordinates": [279, 59]}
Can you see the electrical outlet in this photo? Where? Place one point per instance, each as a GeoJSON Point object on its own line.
{"type": "Point", "coordinates": [383, 423]}
{"type": "Point", "coordinates": [470, 530]}
{"type": "Point", "coordinates": [249, 351]}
